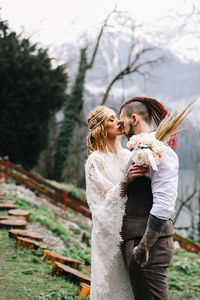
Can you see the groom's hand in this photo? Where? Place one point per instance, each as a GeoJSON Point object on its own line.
{"type": "Point", "coordinates": [141, 255]}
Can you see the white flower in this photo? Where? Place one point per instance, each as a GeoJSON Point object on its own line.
{"type": "Point", "coordinates": [147, 138]}
{"type": "Point", "coordinates": [157, 146]}
{"type": "Point", "coordinates": [139, 157]}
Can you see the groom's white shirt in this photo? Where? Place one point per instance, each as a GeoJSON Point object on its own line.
{"type": "Point", "coordinates": [164, 183]}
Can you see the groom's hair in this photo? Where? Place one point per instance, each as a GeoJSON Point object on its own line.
{"type": "Point", "coordinates": [147, 108]}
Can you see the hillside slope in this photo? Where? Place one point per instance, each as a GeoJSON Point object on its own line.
{"type": "Point", "coordinates": [23, 275]}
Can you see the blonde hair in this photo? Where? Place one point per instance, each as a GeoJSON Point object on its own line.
{"type": "Point", "coordinates": [97, 137]}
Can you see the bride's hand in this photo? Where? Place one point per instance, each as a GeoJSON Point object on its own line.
{"type": "Point", "coordinates": [136, 171]}
{"type": "Point", "coordinates": [131, 173]}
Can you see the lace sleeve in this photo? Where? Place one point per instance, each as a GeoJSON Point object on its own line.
{"type": "Point", "coordinates": [103, 196]}
{"type": "Point", "coordinates": [107, 207]}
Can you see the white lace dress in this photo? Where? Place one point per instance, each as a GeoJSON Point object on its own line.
{"type": "Point", "coordinates": [109, 277]}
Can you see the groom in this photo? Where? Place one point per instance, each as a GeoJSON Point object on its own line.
{"type": "Point", "coordinates": [147, 227]}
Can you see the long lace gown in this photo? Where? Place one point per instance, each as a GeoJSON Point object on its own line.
{"type": "Point", "coordinates": [109, 277]}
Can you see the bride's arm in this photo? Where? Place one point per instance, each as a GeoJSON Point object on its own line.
{"type": "Point", "coordinates": [99, 187]}
{"type": "Point", "coordinates": [106, 202]}
{"type": "Point", "coordinates": [130, 174]}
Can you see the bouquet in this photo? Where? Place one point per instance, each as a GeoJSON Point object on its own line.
{"type": "Point", "coordinates": [146, 149]}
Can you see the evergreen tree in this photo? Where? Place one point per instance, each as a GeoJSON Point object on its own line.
{"type": "Point", "coordinates": [72, 115]}
{"type": "Point", "coordinates": [31, 92]}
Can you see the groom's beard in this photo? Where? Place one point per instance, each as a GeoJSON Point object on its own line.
{"type": "Point", "coordinates": [131, 131]}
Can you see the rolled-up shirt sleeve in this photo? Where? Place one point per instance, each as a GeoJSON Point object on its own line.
{"type": "Point", "coordinates": [164, 184]}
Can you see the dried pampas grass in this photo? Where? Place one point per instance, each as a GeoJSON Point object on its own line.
{"type": "Point", "coordinates": [170, 124]}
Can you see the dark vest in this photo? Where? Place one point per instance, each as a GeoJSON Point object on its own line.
{"type": "Point", "coordinates": [138, 206]}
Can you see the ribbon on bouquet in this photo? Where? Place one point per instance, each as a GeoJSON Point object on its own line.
{"type": "Point", "coordinates": [151, 158]}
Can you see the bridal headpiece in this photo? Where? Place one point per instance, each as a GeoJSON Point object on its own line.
{"type": "Point", "coordinates": [100, 122]}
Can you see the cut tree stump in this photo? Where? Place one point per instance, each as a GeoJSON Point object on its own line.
{"type": "Point", "coordinates": [14, 233]}
{"type": "Point", "coordinates": [11, 218]}
{"type": "Point", "coordinates": [19, 213]}
{"type": "Point", "coordinates": [83, 290]}
{"type": "Point", "coordinates": [29, 244]}
{"type": "Point", "coordinates": [73, 274]}
{"type": "Point", "coordinates": [6, 206]}
{"type": "Point", "coordinates": [53, 256]}
{"type": "Point", "coordinates": [17, 223]}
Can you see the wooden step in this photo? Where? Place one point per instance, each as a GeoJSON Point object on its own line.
{"type": "Point", "coordinates": [14, 233]}
{"type": "Point", "coordinates": [17, 223]}
{"type": "Point", "coordinates": [83, 290]}
{"type": "Point", "coordinates": [19, 212]}
{"type": "Point", "coordinates": [7, 202]}
{"type": "Point", "coordinates": [53, 256]}
{"type": "Point", "coordinates": [6, 206]}
{"type": "Point", "coordinates": [11, 218]}
{"type": "Point", "coordinates": [73, 274]}
{"type": "Point", "coordinates": [29, 244]}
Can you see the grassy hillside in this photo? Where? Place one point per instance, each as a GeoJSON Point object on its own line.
{"type": "Point", "coordinates": [23, 275]}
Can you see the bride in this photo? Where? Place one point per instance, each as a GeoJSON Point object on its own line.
{"type": "Point", "coordinates": [107, 177]}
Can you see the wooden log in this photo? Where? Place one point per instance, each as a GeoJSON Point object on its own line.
{"type": "Point", "coordinates": [14, 233]}
{"type": "Point", "coordinates": [6, 206]}
{"type": "Point", "coordinates": [11, 218]}
{"type": "Point", "coordinates": [19, 212]}
{"type": "Point", "coordinates": [17, 223]}
{"type": "Point", "coordinates": [73, 274]}
{"type": "Point", "coordinates": [53, 256]}
{"type": "Point", "coordinates": [83, 290]}
{"type": "Point", "coordinates": [29, 244]}
{"type": "Point", "coordinates": [7, 201]}
{"type": "Point", "coordinates": [186, 244]}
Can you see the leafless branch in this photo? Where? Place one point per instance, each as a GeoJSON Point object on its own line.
{"type": "Point", "coordinates": [184, 203]}
{"type": "Point", "coordinates": [132, 67]}
{"type": "Point", "coordinates": [90, 65]}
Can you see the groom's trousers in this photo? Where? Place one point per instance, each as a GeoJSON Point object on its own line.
{"type": "Point", "coordinates": [150, 282]}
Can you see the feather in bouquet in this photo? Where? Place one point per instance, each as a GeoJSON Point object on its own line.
{"type": "Point", "coordinates": [147, 148]}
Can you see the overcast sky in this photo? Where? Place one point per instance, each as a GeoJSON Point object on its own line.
{"type": "Point", "coordinates": [56, 22]}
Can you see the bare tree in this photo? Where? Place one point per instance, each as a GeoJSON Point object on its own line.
{"type": "Point", "coordinates": [135, 64]}
{"type": "Point", "coordinates": [73, 110]}
{"type": "Point", "coordinates": [184, 203]}
{"type": "Point", "coordinates": [139, 56]}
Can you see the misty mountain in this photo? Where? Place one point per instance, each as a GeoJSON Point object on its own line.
{"type": "Point", "coordinates": [173, 82]}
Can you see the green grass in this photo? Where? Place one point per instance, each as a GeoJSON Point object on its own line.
{"type": "Point", "coordinates": [81, 254]}
{"type": "Point", "coordinates": [43, 216]}
{"type": "Point", "coordinates": [71, 190]}
{"type": "Point", "coordinates": [46, 217]}
{"type": "Point", "coordinates": [184, 276]}
{"type": "Point", "coordinates": [23, 275]}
